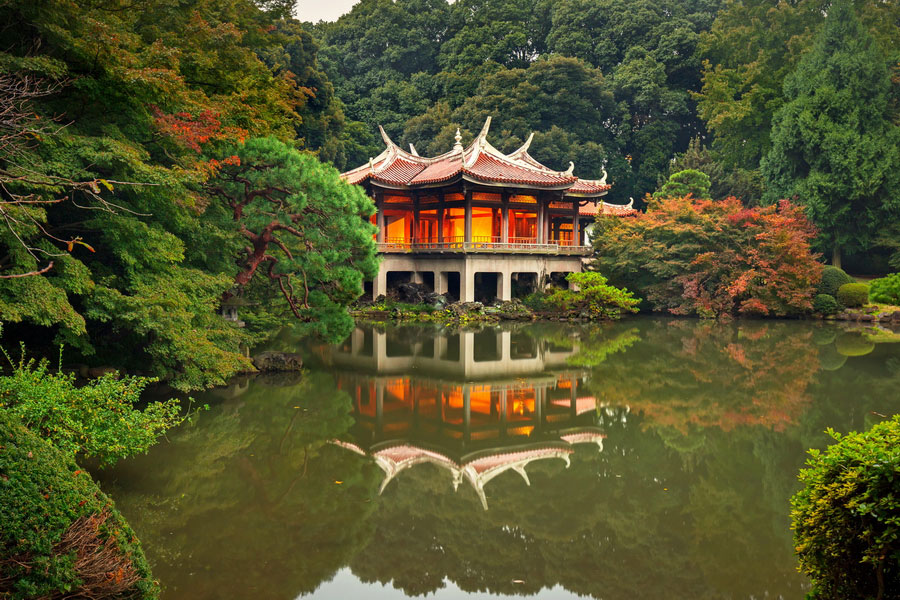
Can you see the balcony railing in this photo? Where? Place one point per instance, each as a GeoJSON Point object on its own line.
{"type": "Point", "coordinates": [516, 245]}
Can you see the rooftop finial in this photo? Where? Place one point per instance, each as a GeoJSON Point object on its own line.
{"type": "Point", "coordinates": [371, 164]}
{"type": "Point", "coordinates": [484, 130]}
{"type": "Point", "coordinates": [458, 137]}
{"type": "Point", "coordinates": [412, 149]}
{"type": "Point", "coordinates": [571, 169]}
{"type": "Point", "coordinates": [603, 179]}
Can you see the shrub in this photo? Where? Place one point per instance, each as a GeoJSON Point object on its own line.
{"type": "Point", "coordinates": [832, 279]}
{"type": "Point", "coordinates": [593, 296]}
{"type": "Point", "coordinates": [886, 289]}
{"type": "Point", "coordinates": [60, 535]}
{"type": "Point", "coordinates": [853, 295]}
{"type": "Point", "coordinates": [825, 304]}
{"type": "Point", "coordinates": [712, 258]}
{"type": "Point", "coordinates": [98, 419]}
{"type": "Point", "coordinates": [846, 519]}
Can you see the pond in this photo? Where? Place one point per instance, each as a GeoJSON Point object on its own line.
{"type": "Point", "coordinates": [649, 458]}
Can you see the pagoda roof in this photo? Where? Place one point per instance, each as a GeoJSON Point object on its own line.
{"type": "Point", "coordinates": [480, 163]}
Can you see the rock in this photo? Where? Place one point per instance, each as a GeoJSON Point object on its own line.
{"type": "Point", "coordinates": [896, 316]}
{"type": "Point", "coordinates": [278, 361]}
{"type": "Point", "coordinates": [885, 318]}
{"type": "Point", "coordinates": [436, 300]}
{"type": "Point", "coordinates": [412, 293]}
{"type": "Point", "coordinates": [866, 317]}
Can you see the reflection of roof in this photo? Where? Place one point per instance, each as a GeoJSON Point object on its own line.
{"type": "Point", "coordinates": [480, 162]}
{"type": "Point", "coordinates": [479, 470]}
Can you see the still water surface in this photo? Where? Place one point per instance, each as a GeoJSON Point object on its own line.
{"type": "Point", "coordinates": [650, 458]}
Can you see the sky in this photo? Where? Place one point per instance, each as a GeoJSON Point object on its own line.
{"type": "Point", "coordinates": [322, 10]}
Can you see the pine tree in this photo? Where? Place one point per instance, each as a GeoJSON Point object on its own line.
{"type": "Point", "coordinates": [834, 145]}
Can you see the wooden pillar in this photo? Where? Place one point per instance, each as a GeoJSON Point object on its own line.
{"type": "Point", "coordinates": [441, 218]}
{"type": "Point", "coordinates": [415, 226]}
{"type": "Point", "coordinates": [541, 217]}
{"type": "Point", "coordinates": [504, 222]}
{"type": "Point", "coordinates": [468, 216]}
{"type": "Point", "coordinates": [576, 238]}
{"type": "Point", "coordinates": [379, 217]}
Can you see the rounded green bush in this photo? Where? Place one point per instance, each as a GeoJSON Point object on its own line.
{"type": "Point", "coordinates": [825, 304]}
{"type": "Point", "coordinates": [832, 279]}
{"type": "Point", "coordinates": [52, 514]}
{"type": "Point", "coordinates": [846, 519]}
{"type": "Point", "coordinates": [853, 295]}
{"type": "Point", "coordinates": [886, 289]}
{"type": "Point", "coordinates": [853, 344]}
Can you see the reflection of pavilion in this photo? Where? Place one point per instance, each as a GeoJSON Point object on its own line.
{"type": "Point", "coordinates": [486, 403]}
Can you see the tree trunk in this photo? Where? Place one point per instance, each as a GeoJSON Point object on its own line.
{"type": "Point", "coordinates": [836, 256]}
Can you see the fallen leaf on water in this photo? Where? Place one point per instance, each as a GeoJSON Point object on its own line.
{"type": "Point", "coordinates": [518, 581]}
{"type": "Point", "coordinates": [338, 482]}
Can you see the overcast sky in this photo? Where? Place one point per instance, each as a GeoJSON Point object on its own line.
{"type": "Point", "coordinates": [322, 10]}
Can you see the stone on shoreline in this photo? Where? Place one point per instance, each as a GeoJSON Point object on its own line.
{"type": "Point", "coordinates": [278, 361]}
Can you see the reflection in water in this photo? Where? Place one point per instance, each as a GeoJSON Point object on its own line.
{"type": "Point", "coordinates": [526, 405]}
{"type": "Point", "coordinates": [651, 458]}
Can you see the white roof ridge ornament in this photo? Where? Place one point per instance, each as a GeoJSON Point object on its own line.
{"type": "Point", "coordinates": [524, 147]}
{"type": "Point", "coordinates": [570, 170]}
{"type": "Point", "coordinates": [603, 179]}
{"type": "Point", "coordinates": [412, 149]}
{"type": "Point", "coordinates": [457, 147]}
{"type": "Point", "coordinates": [482, 135]}
{"type": "Point", "coordinates": [384, 136]}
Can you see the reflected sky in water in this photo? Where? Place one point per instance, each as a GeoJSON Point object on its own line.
{"type": "Point", "coordinates": [645, 458]}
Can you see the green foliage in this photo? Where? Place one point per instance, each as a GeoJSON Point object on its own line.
{"type": "Point", "coordinates": [846, 519]}
{"type": "Point", "coordinates": [749, 51]}
{"type": "Point", "coordinates": [593, 296]}
{"type": "Point", "coordinates": [60, 535]}
{"type": "Point", "coordinates": [825, 304]}
{"type": "Point", "coordinates": [832, 279]}
{"type": "Point", "coordinates": [712, 258]}
{"type": "Point", "coordinates": [127, 116]}
{"type": "Point", "coordinates": [835, 144]}
{"type": "Point", "coordinates": [309, 233]}
{"type": "Point", "coordinates": [98, 419]}
{"type": "Point", "coordinates": [421, 68]}
{"type": "Point", "coordinates": [745, 184]}
{"type": "Point", "coordinates": [853, 295]}
{"type": "Point", "coordinates": [680, 184]}
{"type": "Point", "coordinates": [886, 289]}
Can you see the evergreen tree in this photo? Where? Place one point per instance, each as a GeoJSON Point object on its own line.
{"type": "Point", "coordinates": [833, 143]}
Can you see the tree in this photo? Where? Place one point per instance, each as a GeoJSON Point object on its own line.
{"type": "Point", "coordinates": [748, 52]}
{"type": "Point", "coordinates": [712, 257]}
{"type": "Point", "coordinates": [834, 145]}
{"type": "Point", "coordinates": [680, 184]}
{"type": "Point", "coordinates": [307, 232]}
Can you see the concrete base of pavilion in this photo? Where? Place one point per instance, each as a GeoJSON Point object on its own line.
{"type": "Point", "coordinates": [444, 273]}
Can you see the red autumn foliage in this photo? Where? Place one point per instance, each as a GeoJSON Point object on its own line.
{"type": "Point", "coordinates": [193, 131]}
{"type": "Point", "coordinates": [713, 258]}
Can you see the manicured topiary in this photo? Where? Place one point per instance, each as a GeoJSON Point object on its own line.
{"type": "Point", "coordinates": [853, 344]}
{"type": "Point", "coordinates": [853, 295]}
{"type": "Point", "coordinates": [825, 304]}
{"type": "Point", "coordinates": [846, 519]}
{"type": "Point", "coordinates": [60, 536]}
{"type": "Point", "coordinates": [832, 279]}
{"type": "Point", "coordinates": [886, 289]}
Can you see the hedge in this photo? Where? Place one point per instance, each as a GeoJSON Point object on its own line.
{"type": "Point", "coordinates": [846, 519]}
{"type": "Point", "coordinates": [832, 279]}
{"type": "Point", "coordinates": [60, 536]}
{"type": "Point", "coordinates": [853, 295]}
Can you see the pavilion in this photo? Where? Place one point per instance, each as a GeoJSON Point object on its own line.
{"type": "Point", "coordinates": [477, 219]}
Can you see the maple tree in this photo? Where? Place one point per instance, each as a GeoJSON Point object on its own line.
{"type": "Point", "coordinates": [713, 258]}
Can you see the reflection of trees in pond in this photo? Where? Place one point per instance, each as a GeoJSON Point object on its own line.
{"type": "Point", "coordinates": [251, 490]}
{"type": "Point", "coordinates": [685, 374]}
